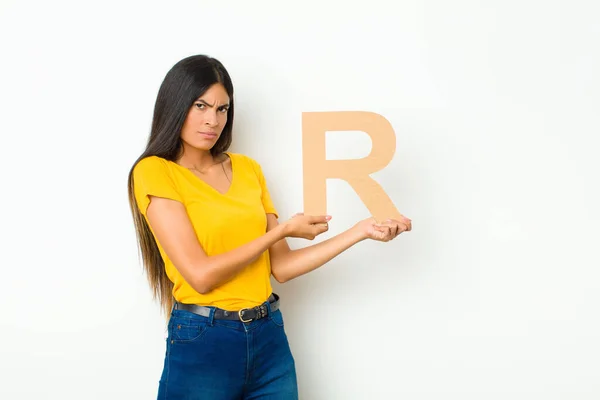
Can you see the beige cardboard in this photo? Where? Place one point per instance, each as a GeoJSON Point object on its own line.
{"type": "Point", "coordinates": [317, 169]}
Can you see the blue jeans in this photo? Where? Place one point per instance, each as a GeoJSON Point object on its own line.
{"type": "Point", "coordinates": [216, 359]}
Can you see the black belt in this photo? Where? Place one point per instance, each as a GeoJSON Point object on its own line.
{"type": "Point", "coordinates": [244, 315]}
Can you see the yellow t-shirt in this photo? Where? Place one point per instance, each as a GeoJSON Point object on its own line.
{"type": "Point", "coordinates": [222, 222]}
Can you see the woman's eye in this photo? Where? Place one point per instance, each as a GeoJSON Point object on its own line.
{"type": "Point", "coordinates": [200, 105]}
{"type": "Point", "coordinates": [223, 109]}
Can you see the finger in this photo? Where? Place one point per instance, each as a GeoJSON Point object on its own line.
{"type": "Point", "coordinates": [319, 219]}
{"type": "Point", "coordinates": [404, 225]}
{"type": "Point", "coordinates": [320, 228]}
{"type": "Point", "coordinates": [402, 228]}
{"type": "Point", "coordinates": [387, 232]}
{"type": "Point", "coordinates": [394, 227]}
{"type": "Point", "coordinates": [382, 225]}
{"type": "Point", "coordinates": [380, 231]}
{"type": "Point", "coordinates": [379, 235]}
{"type": "Point", "coordinates": [392, 233]}
{"type": "Point", "coordinates": [408, 225]}
{"type": "Point", "coordinates": [407, 222]}
{"type": "Point", "coordinates": [387, 227]}
{"type": "Point", "coordinates": [399, 231]}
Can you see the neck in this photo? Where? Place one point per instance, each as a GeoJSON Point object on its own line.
{"type": "Point", "coordinates": [197, 158]}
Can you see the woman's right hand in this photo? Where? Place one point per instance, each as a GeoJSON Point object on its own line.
{"type": "Point", "coordinates": [306, 226]}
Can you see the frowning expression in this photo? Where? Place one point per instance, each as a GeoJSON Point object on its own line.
{"type": "Point", "coordinates": [206, 118]}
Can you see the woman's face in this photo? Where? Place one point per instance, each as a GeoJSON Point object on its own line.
{"type": "Point", "coordinates": [206, 119]}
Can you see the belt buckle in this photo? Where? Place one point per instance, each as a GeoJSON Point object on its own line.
{"type": "Point", "coordinates": [242, 318]}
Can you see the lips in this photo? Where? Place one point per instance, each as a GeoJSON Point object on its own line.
{"type": "Point", "coordinates": [208, 135]}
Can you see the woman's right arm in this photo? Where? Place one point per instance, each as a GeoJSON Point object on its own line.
{"type": "Point", "coordinates": [175, 233]}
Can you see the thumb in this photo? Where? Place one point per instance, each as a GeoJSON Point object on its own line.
{"type": "Point", "coordinates": [319, 219]}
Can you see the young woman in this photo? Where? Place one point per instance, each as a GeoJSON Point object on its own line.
{"type": "Point", "coordinates": [210, 240]}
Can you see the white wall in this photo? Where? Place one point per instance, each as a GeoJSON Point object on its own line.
{"type": "Point", "coordinates": [494, 295]}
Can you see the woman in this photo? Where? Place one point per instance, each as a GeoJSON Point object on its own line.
{"type": "Point", "coordinates": [210, 240]}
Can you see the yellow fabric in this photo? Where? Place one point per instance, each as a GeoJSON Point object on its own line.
{"type": "Point", "coordinates": [222, 222]}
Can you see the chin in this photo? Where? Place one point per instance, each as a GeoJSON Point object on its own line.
{"type": "Point", "coordinates": [203, 145]}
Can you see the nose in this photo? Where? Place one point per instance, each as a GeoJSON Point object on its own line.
{"type": "Point", "coordinates": [210, 118]}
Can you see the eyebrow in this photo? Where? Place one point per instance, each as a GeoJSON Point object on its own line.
{"type": "Point", "coordinates": [212, 105]}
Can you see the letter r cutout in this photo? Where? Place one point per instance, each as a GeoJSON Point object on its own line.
{"type": "Point", "coordinates": [317, 169]}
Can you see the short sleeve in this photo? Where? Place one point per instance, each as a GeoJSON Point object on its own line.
{"type": "Point", "coordinates": [151, 178]}
{"type": "Point", "coordinates": [266, 196]}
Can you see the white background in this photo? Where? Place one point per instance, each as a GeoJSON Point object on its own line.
{"type": "Point", "coordinates": [494, 295]}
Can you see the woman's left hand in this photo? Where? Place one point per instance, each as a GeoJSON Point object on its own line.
{"type": "Point", "coordinates": [385, 231]}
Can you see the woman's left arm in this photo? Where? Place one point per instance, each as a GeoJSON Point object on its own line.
{"type": "Point", "coordinates": [287, 264]}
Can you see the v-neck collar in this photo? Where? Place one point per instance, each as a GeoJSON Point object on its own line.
{"type": "Point", "coordinates": [204, 183]}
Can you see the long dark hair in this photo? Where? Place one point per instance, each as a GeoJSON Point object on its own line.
{"type": "Point", "coordinates": [184, 83]}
